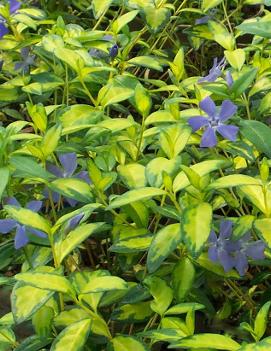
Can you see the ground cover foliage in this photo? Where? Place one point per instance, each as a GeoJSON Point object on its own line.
{"type": "Point", "coordinates": [134, 175]}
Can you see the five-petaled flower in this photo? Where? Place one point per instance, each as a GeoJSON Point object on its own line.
{"type": "Point", "coordinates": [27, 61]}
{"type": "Point", "coordinates": [233, 254]}
{"type": "Point", "coordinates": [67, 169]}
{"type": "Point", "coordinates": [14, 5]}
{"type": "Point", "coordinates": [215, 72]}
{"type": "Point", "coordinates": [214, 122]}
{"type": "Point", "coordinates": [21, 237]}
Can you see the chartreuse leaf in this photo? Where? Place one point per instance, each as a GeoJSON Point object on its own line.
{"type": "Point", "coordinates": [256, 26]}
{"type": "Point", "coordinates": [181, 181]}
{"type": "Point", "coordinates": [156, 17]}
{"type": "Point", "coordinates": [243, 82]}
{"type": "Point", "coordinates": [76, 236]}
{"type": "Point", "coordinates": [7, 339]}
{"type": "Point", "coordinates": [263, 345]}
{"type": "Point", "coordinates": [28, 167]}
{"type": "Point", "coordinates": [136, 312]}
{"type": "Point", "coordinates": [73, 188]}
{"type": "Point", "coordinates": [164, 334]}
{"type": "Point", "coordinates": [262, 227]}
{"type": "Point", "coordinates": [174, 139]}
{"type": "Point", "coordinates": [183, 278]}
{"type": "Point", "coordinates": [142, 100]}
{"type": "Point", "coordinates": [133, 175]}
{"type": "Point", "coordinates": [234, 180]}
{"type": "Point", "coordinates": [132, 245]}
{"type": "Point", "coordinates": [106, 283]}
{"type": "Point", "coordinates": [163, 243]}
{"type": "Point", "coordinates": [99, 7]}
{"type": "Point", "coordinates": [221, 35]}
{"type": "Point", "coordinates": [22, 306]}
{"type": "Point", "coordinates": [121, 21]}
{"type": "Point", "coordinates": [33, 343]}
{"type": "Point", "coordinates": [70, 57]}
{"type": "Point", "coordinates": [184, 308]}
{"type": "Point", "coordinates": [161, 292]}
{"type": "Point", "coordinates": [196, 227]}
{"type": "Point", "coordinates": [236, 58]}
{"type": "Point", "coordinates": [213, 341]}
{"type": "Point", "coordinates": [112, 94]}
{"type": "Point", "coordinates": [48, 281]}
{"type": "Point", "coordinates": [146, 61]}
{"type": "Point", "coordinates": [209, 4]}
{"type": "Point", "coordinates": [259, 134]}
{"type": "Point", "coordinates": [155, 168]}
{"type": "Point", "coordinates": [50, 140]}
{"type": "Point", "coordinates": [42, 321]}
{"type": "Point", "coordinates": [123, 343]}
{"type": "Point", "coordinates": [28, 218]}
{"type": "Point", "coordinates": [4, 177]}
{"type": "Point", "coordinates": [73, 337]}
{"type": "Point", "coordinates": [135, 195]}
{"type": "Point", "coordinates": [260, 322]}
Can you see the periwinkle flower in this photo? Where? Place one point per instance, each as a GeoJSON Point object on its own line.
{"type": "Point", "coordinates": [14, 5]}
{"type": "Point", "coordinates": [229, 79]}
{"type": "Point", "coordinates": [73, 222]}
{"type": "Point", "coordinates": [214, 122]}
{"type": "Point", "coordinates": [206, 18]}
{"type": "Point", "coordinates": [68, 167]}
{"type": "Point", "coordinates": [113, 52]}
{"type": "Point", "coordinates": [7, 225]}
{"type": "Point", "coordinates": [215, 72]}
{"type": "Point", "coordinates": [27, 61]}
{"type": "Point", "coordinates": [234, 254]}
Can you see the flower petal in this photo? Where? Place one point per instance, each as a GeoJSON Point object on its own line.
{"type": "Point", "coordinates": [37, 232]}
{"type": "Point", "coordinates": [225, 229]}
{"type": "Point", "coordinates": [226, 260]}
{"type": "Point", "coordinates": [208, 106]}
{"type": "Point", "coordinates": [12, 201]}
{"type": "Point", "coordinates": [255, 250]}
{"type": "Point", "coordinates": [3, 30]}
{"type": "Point", "coordinates": [241, 263]}
{"type": "Point", "coordinates": [213, 254]}
{"type": "Point", "coordinates": [197, 122]}
{"type": "Point", "coordinates": [228, 131]}
{"type": "Point", "coordinates": [84, 176]}
{"type": "Point", "coordinates": [57, 171]}
{"type": "Point", "coordinates": [14, 5]}
{"type": "Point", "coordinates": [34, 206]}
{"type": "Point", "coordinates": [229, 78]}
{"type": "Point", "coordinates": [6, 225]}
{"type": "Point", "coordinates": [74, 221]}
{"type": "Point", "coordinates": [69, 163]}
{"type": "Point", "coordinates": [212, 237]}
{"type": "Point", "coordinates": [208, 138]}
{"type": "Point", "coordinates": [227, 110]}
{"type": "Point", "coordinates": [21, 239]}
{"type": "Point", "coordinates": [70, 201]}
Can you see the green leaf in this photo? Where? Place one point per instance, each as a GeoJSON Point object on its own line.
{"type": "Point", "coordinates": [164, 242]}
{"type": "Point", "coordinates": [221, 35]}
{"type": "Point", "coordinates": [161, 116]}
{"type": "Point", "coordinates": [182, 278]}
{"type": "Point", "coordinates": [262, 227]}
{"type": "Point", "coordinates": [136, 312]}
{"type": "Point", "coordinates": [22, 306]}
{"type": "Point", "coordinates": [101, 284]}
{"type": "Point", "coordinates": [99, 7]}
{"type": "Point", "coordinates": [4, 177]}
{"type": "Point", "coordinates": [50, 140]}
{"type": "Point", "coordinates": [47, 281]}
{"type": "Point", "coordinates": [76, 236]}
{"type": "Point", "coordinates": [79, 115]}
{"type": "Point", "coordinates": [209, 4]}
{"type": "Point", "coordinates": [28, 218]}
{"type": "Point", "coordinates": [146, 61]}
{"type": "Point", "coordinates": [196, 227]}
{"type": "Point", "coordinates": [42, 321]}
{"type": "Point", "coordinates": [243, 82]}
{"type": "Point", "coordinates": [142, 100]}
{"type": "Point", "coordinates": [112, 94]}
{"type": "Point", "coordinates": [73, 188]}
{"type": "Point", "coordinates": [233, 180]}
{"type": "Point", "coordinates": [261, 319]}
{"type": "Point", "coordinates": [7, 339]}
{"type": "Point", "coordinates": [156, 17]}
{"type": "Point", "coordinates": [121, 21]}
{"type": "Point", "coordinates": [259, 134]}
{"type": "Point", "coordinates": [28, 167]}
{"type": "Point", "coordinates": [124, 343]}
{"type": "Point", "coordinates": [65, 318]}
{"type": "Point", "coordinates": [70, 57]}
{"type": "Point", "coordinates": [73, 337]}
{"type": "Point", "coordinates": [202, 168]}
{"type": "Point", "coordinates": [174, 139]}
{"type": "Point", "coordinates": [257, 196]}
{"type": "Point", "coordinates": [213, 341]}
{"type": "Point", "coordinates": [161, 292]}
{"type": "Point", "coordinates": [33, 343]}
{"type": "Point", "coordinates": [135, 195]}
{"type": "Point", "coordinates": [256, 26]}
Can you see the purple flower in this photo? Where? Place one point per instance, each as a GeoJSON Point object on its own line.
{"type": "Point", "coordinates": [68, 166]}
{"type": "Point", "coordinates": [14, 5]}
{"type": "Point", "coordinates": [73, 222]}
{"type": "Point", "coordinates": [205, 19]}
{"type": "Point", "coordinates": [113, 52]}
{"type": "Point", "coordinates": [215, 72]}
{"type": "Point", "coordinates": [229, 79]}
{"type": "Point", "coordinates": [234, 254]}
{"type": "Point", "coordinates": [7, 225]}
{"type": "Point", "coordinates": [27, 61]}
{"type": "Point", "coordinates": [214, 122]}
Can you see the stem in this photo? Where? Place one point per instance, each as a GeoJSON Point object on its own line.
{"type": "Point", "coordinates": [88, 93]}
